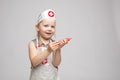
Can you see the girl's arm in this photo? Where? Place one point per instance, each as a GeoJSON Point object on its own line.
{"type": "Point", "coordinates": [57, 53]}
{"type": "Point", "coordinates": [57, 58]}
{"type": "Point", "coordinates": [35, 57]}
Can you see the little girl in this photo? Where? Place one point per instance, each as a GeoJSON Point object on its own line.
{"type": "Point", "coordinates": [44, 52]}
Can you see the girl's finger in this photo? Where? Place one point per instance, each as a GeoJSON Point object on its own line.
{"type": "Point", "coordinates": [63, 41]}
{"type": "Point", "coordinates": [55, 48]}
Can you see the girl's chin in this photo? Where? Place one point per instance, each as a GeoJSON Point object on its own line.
{"type": "Point", "coordinates": [47, 38]}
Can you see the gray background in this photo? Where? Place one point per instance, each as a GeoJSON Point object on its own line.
{"type": "Point", "coordinates": [94, 25]}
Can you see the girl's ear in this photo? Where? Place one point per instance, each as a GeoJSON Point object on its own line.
{"type": "Point", "coordinates": [36, 27]}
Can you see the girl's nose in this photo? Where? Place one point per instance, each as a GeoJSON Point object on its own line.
{"type": "Point", "coordinates": [49, 28]}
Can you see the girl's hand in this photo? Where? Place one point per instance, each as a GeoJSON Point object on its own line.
{"type": "Point", "coordinates": [53, 46]}
{"type": "Point", "coordinates": [58, 44]}
{"type": "Point", "coordinates": [63, 42]}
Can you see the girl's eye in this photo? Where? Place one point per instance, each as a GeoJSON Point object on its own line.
{"type": "Point", "coordinates": [53, 26]}
{"type": "Point", "coordinates": [46, 25]}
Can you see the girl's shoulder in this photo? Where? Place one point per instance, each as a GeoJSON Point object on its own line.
{"type": "Point", "coordinates": [33, 41]}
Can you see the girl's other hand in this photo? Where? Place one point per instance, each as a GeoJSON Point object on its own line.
{"type": "Point", "coordinates": [53, 46]}
{"type": "Point", "coordinates": [63, 42]}
{"type": "Point", "coordinates": [58, 44]}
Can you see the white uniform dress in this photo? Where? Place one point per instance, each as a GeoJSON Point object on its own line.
{"type": "Point", "coordinates": [45, 70]}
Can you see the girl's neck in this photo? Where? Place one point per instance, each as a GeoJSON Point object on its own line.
{"type": "Point", "coordinates": [45, 41]}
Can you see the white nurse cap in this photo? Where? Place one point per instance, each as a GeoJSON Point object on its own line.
{"type": "Point", "coordinates": [49, 13]}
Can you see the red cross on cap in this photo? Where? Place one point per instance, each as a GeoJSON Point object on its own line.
{"type": "Point", "coordinates": [51, 13]}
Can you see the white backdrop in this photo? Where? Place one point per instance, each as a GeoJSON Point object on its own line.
{"type": "Point", "coordinates": [94, 25]}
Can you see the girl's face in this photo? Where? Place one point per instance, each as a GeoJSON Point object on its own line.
{"type": "Point", "coordinates": [46, 28]}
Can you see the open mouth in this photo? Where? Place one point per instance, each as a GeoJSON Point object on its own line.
{"type": "Point", "coordinates": [49, 33]}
